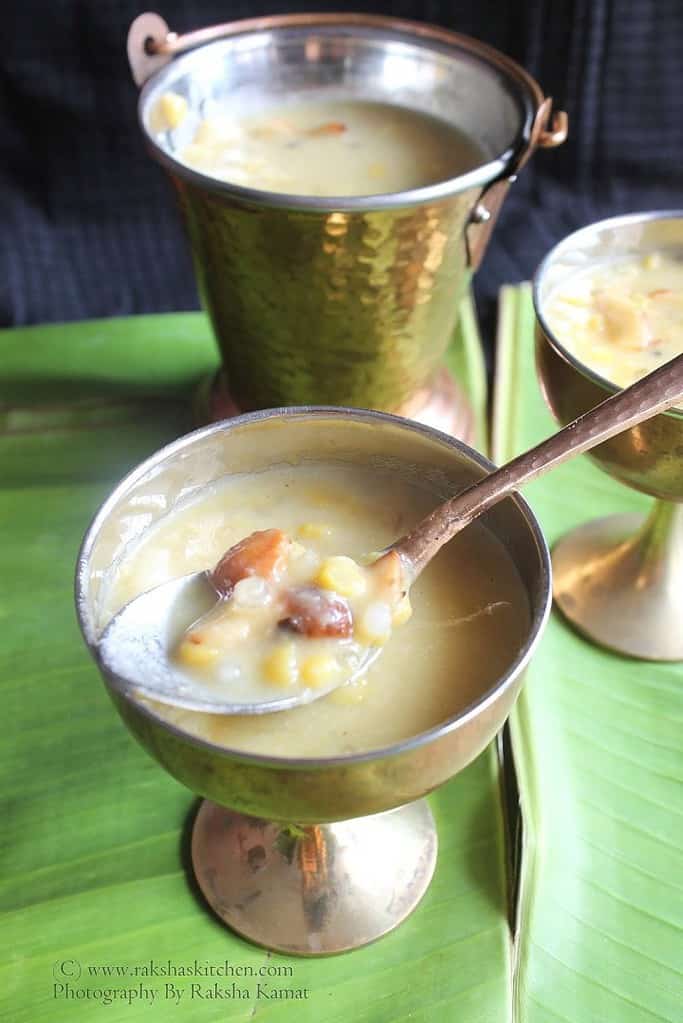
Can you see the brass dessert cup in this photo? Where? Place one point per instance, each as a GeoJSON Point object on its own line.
{"type": "Point", "coordinates": [344, 300]}
{"type": "Point", "coordinates": [352, 851]}
{"type": "Point", "coordinates": [618, 580]}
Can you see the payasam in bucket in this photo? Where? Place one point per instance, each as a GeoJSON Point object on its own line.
{"type": "Point", "coordinates": [339, 176]}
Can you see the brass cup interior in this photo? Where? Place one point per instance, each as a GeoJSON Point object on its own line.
{"type": "Point", "coordinates": [618, 580]}
{"type": "Point", "coordinates": [309, 792]}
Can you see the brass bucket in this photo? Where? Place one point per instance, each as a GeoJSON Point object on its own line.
{"type": "Point", "coordinates": [343, 301]}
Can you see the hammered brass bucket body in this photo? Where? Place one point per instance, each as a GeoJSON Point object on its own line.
{"type": "Point", "coordinates": [353, 308]}
{"type": "Point", "coordinates": [349, 300]}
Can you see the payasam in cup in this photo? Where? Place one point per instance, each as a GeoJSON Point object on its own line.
{"type": "Point", "coordinates": [469, 600]}
{"type": "Point", "coordinates": [622, 318]}
{"type": "Point", "coordinates": [336, 481]}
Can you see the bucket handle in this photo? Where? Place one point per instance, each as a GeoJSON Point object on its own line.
{"type": "Point", "coordinates": [151, 44]}
{"type": "Point", "coordinates": [549, 129]}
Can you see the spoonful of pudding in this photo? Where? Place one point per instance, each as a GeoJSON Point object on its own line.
{"type": "Point", "coordinates": [262, 632]}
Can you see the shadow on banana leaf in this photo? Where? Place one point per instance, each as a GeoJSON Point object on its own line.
{"type": "Point", "coordinates": [88, 441]}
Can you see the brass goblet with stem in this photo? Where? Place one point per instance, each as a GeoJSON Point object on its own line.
{"type": "Point", "coordinates": [619, 579]}
{"type": "Point", "coordinates": [312, 855]}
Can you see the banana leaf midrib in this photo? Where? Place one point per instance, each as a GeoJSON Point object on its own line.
{"type": "Point", "coordinates": [587, 727]}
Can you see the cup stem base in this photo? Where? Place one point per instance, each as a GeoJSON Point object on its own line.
{"type": "Point", "coordinates": [318, 890]}
{"type": "Point", "coordinates": [619, 580]}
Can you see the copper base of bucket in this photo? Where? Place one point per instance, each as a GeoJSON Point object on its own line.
{"type": "Point", "coordinates": [442, 405]}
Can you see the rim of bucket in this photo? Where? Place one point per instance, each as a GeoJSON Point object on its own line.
{"type": "Point", "coordinates": [521, 86]}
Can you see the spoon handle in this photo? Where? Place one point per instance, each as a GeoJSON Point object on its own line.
{"type": "Point", "coordinates": [656, 392]}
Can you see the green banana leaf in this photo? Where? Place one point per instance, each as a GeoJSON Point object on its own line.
{"type": "Point", "coordinates": [94, 874]}
{"type": "Point", "coordinates": [599, 758]}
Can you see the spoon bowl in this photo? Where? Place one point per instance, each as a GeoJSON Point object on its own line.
{"type": "Point", "coordinates": [136, 649]}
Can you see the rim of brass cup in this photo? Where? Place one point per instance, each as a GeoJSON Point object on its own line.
{"type": "Point", "coordinates": [364, 845]}
{"type": "Point", "coordinates": [343, 300]}
{"type": "Point", "coordinates": [619, 579]}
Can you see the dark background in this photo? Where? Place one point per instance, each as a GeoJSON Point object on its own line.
{"type": "Point", "coordinates": [89, 226]}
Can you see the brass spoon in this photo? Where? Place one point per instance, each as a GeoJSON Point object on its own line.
{"type": "Point", "coordinates": [135, 646]}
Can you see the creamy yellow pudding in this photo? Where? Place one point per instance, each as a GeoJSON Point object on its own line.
{"type": "Point", "coordinates": [623, 319]}
{"type": "Point", "coordinates": [333, 148]}
{"type": "Point", "coordinates": [470, 611]}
